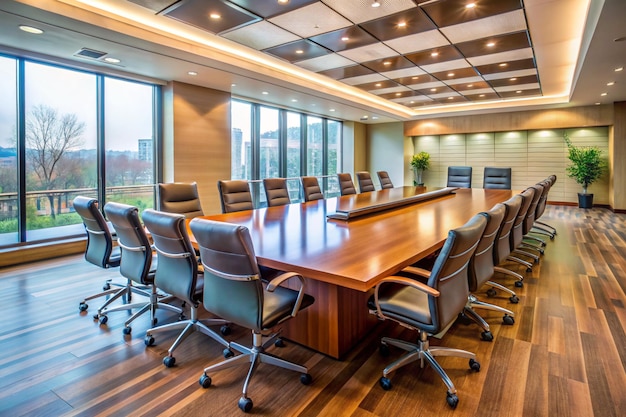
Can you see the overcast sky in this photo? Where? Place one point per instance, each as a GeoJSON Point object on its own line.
{"type": "Point", "coordinates": [128, 105]}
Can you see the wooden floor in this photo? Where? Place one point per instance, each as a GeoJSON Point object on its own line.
{"type": "Point", "coordinates": [564, 356]}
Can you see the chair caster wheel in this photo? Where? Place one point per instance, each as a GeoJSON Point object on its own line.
{"type": "Point", "coordinates": [279, 343]}
{"type": "Point", "coordinates": [514, 299]}
{"type": "Point", "coordinates": [508, 320]}
{"type": "Point", "coordinates": [385, 383]}
{"type": "Point", "coordinates": [384, 350]}
{"type": "Point", "coordinates": [149, 340]}
{"type": "Point", "coordinates": [519, 284]}
{"type": "Point", "coordinates": [306, 379]}
{"type": "Point", "coordinates": [182, 317]}
{"type": "Point", "coordinates": [169, 361]}
{"type": "Point", "coordinates": [103, 320]}
{"type": "Point", "coordinates": [106, 286]}
{"type": "Point", "coordinates": [529, 269]}
{"type": "Point", "coordinates": [474, 365]}
{"type": "Point", "coordinates": [83, 307]}
{"type": "Point", "coordinates": [228, 353]}
{"type": "Point", "coordinates": [487, 336]}
{"type": "Point", "coordinates": [127, 330]}
{"type": "Point", "coordinates": [453, 400]}
{"type": "Point", "coordinates": [225, 330]}
{"type": "Point", "coordinates": [245, 404]}
{"type": "Point", "coordinates": [491, 292]}
{"type": "Point", "coordinates": [205, 381]}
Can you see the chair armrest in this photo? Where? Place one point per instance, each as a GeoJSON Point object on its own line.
{"type": "Point", "coordinates": [420, 286]}
{"type": "Point", "coordinates": [417, 271]}
{"type": "Point", "coordinates": [271, 286]}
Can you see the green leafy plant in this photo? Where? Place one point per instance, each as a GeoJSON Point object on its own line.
{"type": "Point", "coordinates": [587, 163]}
{"type": "Point", "coordinates": [419, 162]}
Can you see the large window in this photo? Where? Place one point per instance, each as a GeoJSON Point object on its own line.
{"type": "Point", "coordinates": [65, 133]}
{"type": "Point", "coordinates": [268, 142]}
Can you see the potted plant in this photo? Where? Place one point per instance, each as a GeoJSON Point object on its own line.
{"type": "Point", "coordinates": [586, 167]}
{"type": "Point", "coordinates": [419, 162]}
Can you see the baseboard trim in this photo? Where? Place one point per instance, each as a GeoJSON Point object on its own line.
{"type": "Point", "coordinates": [38, 252]}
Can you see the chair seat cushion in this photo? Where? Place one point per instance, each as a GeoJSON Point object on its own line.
{"type": "Point", "coordinates": [279, 303]}
{"type": "Point", "coordinates": [404, 304]}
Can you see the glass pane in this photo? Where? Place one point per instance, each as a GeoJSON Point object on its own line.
{"type": "Point", "coordinates": [129, 143]}
{"type": "Point", "coordinates": [269, 160]}
{"type": "Point", "coordinates": [314, 146]}
{"type": "Point", "coordinates": [293, 155]}
{"type": "Point", "coordinates": [8, 152]}
{"type": "Point", "coordinates": [241, 140]}
{"type": "Point", "coordinates": [60, 148]}
{"type": "Point", "coordinates": [334, 156]}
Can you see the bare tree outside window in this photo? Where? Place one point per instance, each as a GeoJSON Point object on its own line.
{"type": "Point", "coordinates": [49, 137]}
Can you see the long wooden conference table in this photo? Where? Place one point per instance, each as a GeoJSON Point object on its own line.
{"type": "Point", "coordinates": [344, 259]}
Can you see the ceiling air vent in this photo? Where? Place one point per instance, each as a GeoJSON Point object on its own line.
{"type": "Point", "coordinates": [90, 53]}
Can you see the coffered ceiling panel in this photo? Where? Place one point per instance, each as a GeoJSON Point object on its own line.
{"type": "Point", "coordinates": [412, 52]}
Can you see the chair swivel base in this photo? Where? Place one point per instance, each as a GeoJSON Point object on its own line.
{"type": "Point", "coordinates": [255, 356]}
{"type": "Point", "coordinates": [423, 353]}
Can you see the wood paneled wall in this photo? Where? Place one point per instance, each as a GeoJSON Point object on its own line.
{"type": "Point", "coordinates": [532, 156]}
{"type": "Point", "coordinates": [197, 139]}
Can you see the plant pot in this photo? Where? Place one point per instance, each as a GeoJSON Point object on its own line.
{"type": "Point", "coordinates": [585, 200]}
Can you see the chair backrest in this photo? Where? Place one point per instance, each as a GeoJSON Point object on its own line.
{"type": "Point", "coordinates": [543, 200]}
{"type": "Point", "coordinates": [481, 264]}
{"type": "Point", "coordinates": [346, 186]}
{"type": "Point", "coordinates": [311, 189]}
{"type": "Point", "coordinates": [459, 177]}
{"type": "Point", "coordinates": [531, 214]}
{"type": "Point", "coordinates": [385, 181]}
{"type": "Point", "coordinates": [276, 191]}
{"type": "Point", "coordinates": [449, 273]}
{"type": "Point", "coordinates": [517, 233]}
{"type": "Point", "coordinates": [177, 267]}
{"type": "Point", "coordinates": [502, 246]}
{"type": "Point", "coordinates": [235, 195]}
{"type": "Point", "coordinates": [99, 249]}
{"type": "Point", "coordinates": [135, 247]}
{"type": "Point", "coordinates": [498, 178]}
{"type": "Point", "coordinates": [179, 197]}
{"type": "Point", "coordinates": [365, 181]}
{"type": "Point", "coordinates": [232, 280]}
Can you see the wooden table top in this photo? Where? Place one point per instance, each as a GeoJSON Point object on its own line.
{"type": "Point", "coordinates": [359, 252]}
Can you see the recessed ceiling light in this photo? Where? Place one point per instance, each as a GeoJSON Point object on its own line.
{"type": "Point", "coordinates": [398, 94]}
{"type": "Point", "coordinates": [215, 16]}
{"type": "Point", "coordinates": [519, 91]}
{"type": "Point", "coordinates": [433, 89]}
{"type": "Point", "coordinates": [412, 102]}
{"type": "Point", "coordinates": [331, 109]}
{"type": "Point", "coordinates": [450, 74]}
{"type": "Point", "coordinates": [450, 98]}
{"type": "Point", "coordinates": [30, 29]}
{"type": "Point", "coordinates": [470, 85]}
{"type": "Point", "coordinates": [264, 93]}
{"type": "Point", "coordinates": [597, 103]}
{"type": "Point", "coordinates": [434, 54]}
{"type": "Point", "coordinates": [192, 73]}
{"type": "Point", "coordinates": [112, 60]}
{"type": "Point", "coordinates": [491, 44]}
{"type": "Point", "coordinates": [414, 78]}
{"type": "Point", "coordinates": [402, 24]}
{"type": "Point", "coordinates": [374, 117]}
{"type": "Point", "coordinates": [233, 85]}
{"type": "Point", "coordinates": [504, 64]}
{"type": "Point", "coordinates": [294, 100]}
{"type": "Point", "coordinates": [377, 85]}
{"type": "Point", "coordinates": [470, 5]}
{"type": "Point", "coordinates": [387, 63]}
{"type": "Point", "coordinates": [481, 95]}
{"type": "Point", "coordinates": [610, 83]}
{"type": "Point", "coordinates": [376, 3]}
{"type": "Point", "coordinates": [283, 1]}
{"type": "Point", "coordinates": [345, 39]}
{"type": "Point", "coordinates": [619, 69]}
{"type": "Point", "coordinates": [299, 51]}
{"type": "Point", "coordinates": [604, 94]}
{"type": "Point", "coordinates": [513, 79]}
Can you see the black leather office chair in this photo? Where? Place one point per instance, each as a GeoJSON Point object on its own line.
{"type": "Point", "coordinates": [497, 178]}
{"type": "Point", "coordinates": [530, 241]}
{"type": "Point", "coordinates": [234, 290]}
{"type": "Point", "coordinates": [99, 250]}
{"type": "Point", "coordinates": [136, 264]}
{"type": "Point", "coordinates": [385, 181]}
{"type": "Point", "coordinates": [311, 189]}
{"type": "Point", "coordinates": [179, 197]}
{"type": "Point", "coordinates": [235, 195]}
{"type": "Point", "coordinates": [517, 232]}
{"type": "Point", "coordinates": [502, 245]}
{"type": "Point", "coordinates": [540, 226]}
{"type": "Point", "coordinates": [365, 181]}
{"type": "Point", "coordinates": [346, 186]}
{"type": "Point", "coordinates": [430, 307]}
{"type": "Point", "coordinates": [276, 191]}
{"type": "Point", "coordinates": [177, 274]}
{"type": "Point", "coordinates": [481, 270]}
{"type": "Point", "coordinates": [459, 177]}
